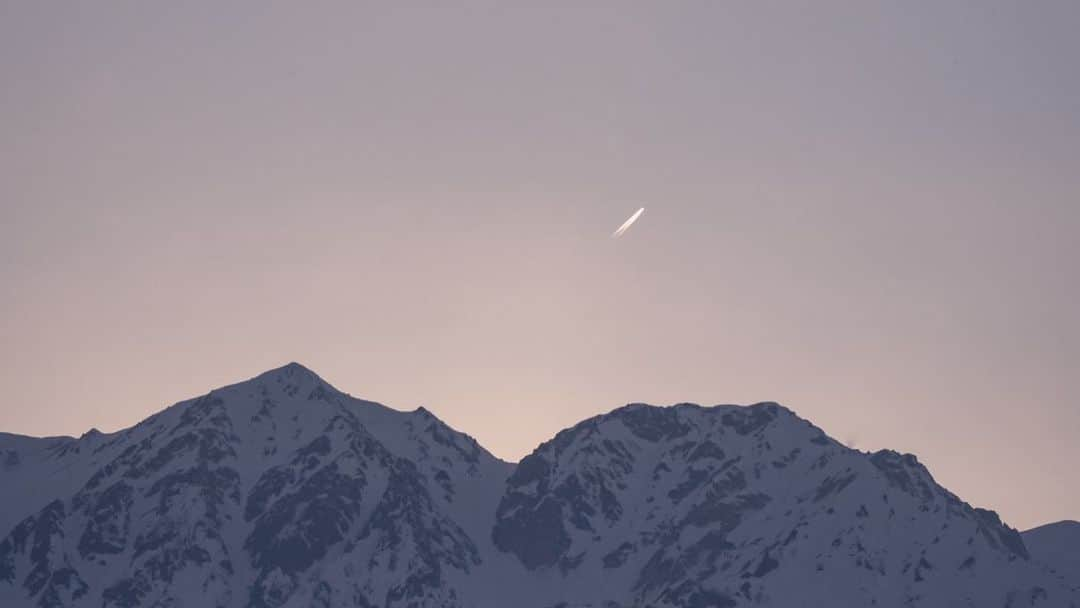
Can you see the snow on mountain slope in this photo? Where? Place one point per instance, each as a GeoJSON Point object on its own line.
{"type": "Point", "coordinates": [1058, 546]}
{"type": "Point", "coordinates": [254, 495]}
{"type": "Point", "coordinates": [283, 491]}
{"type": "Point", "coordinates": [41, 468]}
{"type": "Point", "coordinates": [730, 506]}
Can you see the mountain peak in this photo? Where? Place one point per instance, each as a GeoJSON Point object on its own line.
{"type": "Point", "coordinates": [92, 433]}
{"type": "Point", "coordinates": [292, 376]}
{"type": "Point", "coordinates": [290, 369]}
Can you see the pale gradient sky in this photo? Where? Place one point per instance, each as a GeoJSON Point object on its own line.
{"type": "Point", "coordinates": [865, 211]}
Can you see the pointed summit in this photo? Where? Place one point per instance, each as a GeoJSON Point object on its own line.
{"type": "Point", "coordinates": [291, 369]}
{"type": "Point", "coordinates": [292, 377]}
{"type": "Point", "coordinates": [91, 434]}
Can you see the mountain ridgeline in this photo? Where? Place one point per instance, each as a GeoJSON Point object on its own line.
{"type": "Point", "coordinates": [282, 491]}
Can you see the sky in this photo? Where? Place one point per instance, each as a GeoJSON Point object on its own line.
{"type": "Point", "coordinates": [865, 211]}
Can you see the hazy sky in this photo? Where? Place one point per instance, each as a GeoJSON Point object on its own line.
{"type": "Point", "coordinates": [867, 212]}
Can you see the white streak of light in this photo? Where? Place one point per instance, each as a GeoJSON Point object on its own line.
{"type": "Point", "coordinates": [626, 225]}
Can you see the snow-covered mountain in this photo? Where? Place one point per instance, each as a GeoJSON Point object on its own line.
{"type": "Point", "coordinates": [283, 491]}
{"type": "Point", "coordinates": [1056, 545]}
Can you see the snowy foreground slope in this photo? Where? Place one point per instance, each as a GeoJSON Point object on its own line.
{"type": "Point", "coordinates": [1057, 546]}
{"type": "Point", "coordinates": [282, 491]}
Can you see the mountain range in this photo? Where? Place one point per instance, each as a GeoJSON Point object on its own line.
{"type": "Point", "coordinates": [282, 491]}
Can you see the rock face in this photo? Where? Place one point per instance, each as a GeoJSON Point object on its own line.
{"type": "Point", "coordinates": [283, 491]}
